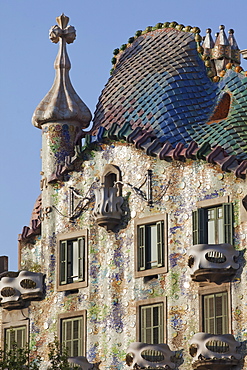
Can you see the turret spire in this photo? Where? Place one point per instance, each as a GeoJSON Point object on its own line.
{"type": "Point", "coordinates": [62, 102]}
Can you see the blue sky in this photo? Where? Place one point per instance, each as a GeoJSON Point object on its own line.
{"type": "Point", "coordinates": [26, 75]}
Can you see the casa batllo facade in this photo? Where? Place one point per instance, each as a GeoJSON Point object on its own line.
{"type": "Point", "coordinates": [135, 253]}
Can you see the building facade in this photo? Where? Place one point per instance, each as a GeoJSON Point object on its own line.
{"type": "Point", "coordinates": [137, 243]}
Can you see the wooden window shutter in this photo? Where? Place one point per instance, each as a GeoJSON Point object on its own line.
{"type": "Point", "coordinates": [160, 243]}
{"type": "Point", "coordinates": [199, 228]}
{"type": "Point", "coordinates": [63, 262]}
{"type": "Point", "coordinates": [141, 235]}
{"type": "Point", "coordinates": [81, 259]}
{"type": "Point", "coordinates": [228, 222]}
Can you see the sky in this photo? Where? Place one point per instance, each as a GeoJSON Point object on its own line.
{"type": "Point", "coordinates": [26, 75]}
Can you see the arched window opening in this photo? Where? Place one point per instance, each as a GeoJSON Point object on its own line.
{"type": "Point", "coordinates": [111, 177]}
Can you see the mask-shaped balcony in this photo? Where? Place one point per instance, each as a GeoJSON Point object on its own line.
{"type": "Point", "coordinates": [212, 262]}
{"type": "Point", "coordinates": [211, 351]}
{"type": "Point", "coordinates": [107, 209]}
{"type": "Point", "coordinates": [143, 355]}
{"type": "Point", "coordinates": [80, 361]}
{"type": "Point", "coordinates": [16, 288]}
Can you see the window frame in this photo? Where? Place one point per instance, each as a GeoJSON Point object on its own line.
{"type": "Point", "coordinates": [200, 222]}
{"type": "Point", "coordinates": [150, 302]}
{"type": "Point", "coordinates": [149, 221]}
{"type": "Point", "coordinates": [14, 319]}
{"type": "Point", "coordinates": [207, 289]}
{"type": "Point", "coordinates": [64, 238]}
{"type": "Point", "coordinates": [73, 315]}
{"type": "Point", "coordinates": [15, 328]}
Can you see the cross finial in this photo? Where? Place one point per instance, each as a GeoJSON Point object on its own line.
{"type": "Point", "coordinates": [62, 30]}
{"type": "Point", "coordinates": [61, 103]}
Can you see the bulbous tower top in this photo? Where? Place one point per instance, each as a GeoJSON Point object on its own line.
{"type": "Point", "coordinates": [62, 103]}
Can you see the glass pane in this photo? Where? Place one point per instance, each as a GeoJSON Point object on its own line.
{"type": "Point", "coordinates": [148, 336]}
{"type": "Point", "coordinates": [153, 241]}
{"type": "Point", "coordinates": [151, 250]}
{"type": "Point", "coordinates": [156, 316]}
{"type": "Point", "coordinates": [75, 348]}
{"type": "Point", "coordinates": [218, 305]}
{"type": "Point", "coordinates": [12, 338]}
{"type": "Point", "coordinates": [68, 330]}
{"type": "Point", "coordinates": [211, 306]}
{"type": "Point", "coordinates": [75, 260]}
{"type": "Point", "coordinates": [211, 232]}
{"type": "Point", "coordinates": [220, 212]}
{"type": "Point", "coordinates": [148, 317]}
{"type": "Point", "coordinates": [76, 329]}
{"type": "Point", "coordinates": [220, 231]}
{"type": "Point", "coordinates": [155, 335]}
{"type": "Point", "coordinates": [219, 326]}
{"type": "Point", "coordinates": [68, 346]}
{"type": "Point", "coordinates": [211, 214]}
{"type": "Point", "coordinates": [19, 338]}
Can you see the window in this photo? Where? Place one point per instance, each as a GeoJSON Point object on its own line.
{"type": "Point", "coordinates": [72, 261]}
{"type": "Point", "coordinates": [215, 313]}
{"type": "Point", "coordinates": [72, 328]}
{"type": "Point", "coordinates": [152, 323]}
{"type": "Point", "coordinates": [215, 308]}
{"type": "Point", "coordinates": [15, 335]}
{"type": "Point", "coordinates": [111, 175]}
{"type": "Point", "coordinates": [151, 245]}
{"type": "Point", "coordinates": [150, 320]}
{"type": "Point", "coordinates": [213, 224]}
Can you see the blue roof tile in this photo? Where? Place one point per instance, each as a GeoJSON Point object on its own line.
{"type": "Point", "coordinates": [162, 75]}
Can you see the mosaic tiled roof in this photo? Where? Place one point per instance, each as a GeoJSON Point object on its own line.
{"type": "Point", "coordinates": [160, 94]}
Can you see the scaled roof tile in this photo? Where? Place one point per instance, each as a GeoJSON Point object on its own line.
{"type": "Point", "coordinates": [160, 84]}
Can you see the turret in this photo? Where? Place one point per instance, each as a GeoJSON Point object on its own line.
{"type": "Point", "coordinates": [225, 50]}
{"type": "Point", "coordinates": [61, 114]}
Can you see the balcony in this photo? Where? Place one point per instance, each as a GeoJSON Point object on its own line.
{"type": "Point", "coordinates": [107, 210]}
{"type": "Point", "coordinates": [211, 351]}
{"type": "Point", "coordinates": [212, 262]}
{"type": "Point", "coordinates": [80, 361]}
{"type": "Point", "coordinates": [152, 356]}
{"type": "Point", "coordinates": [16, 288]}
